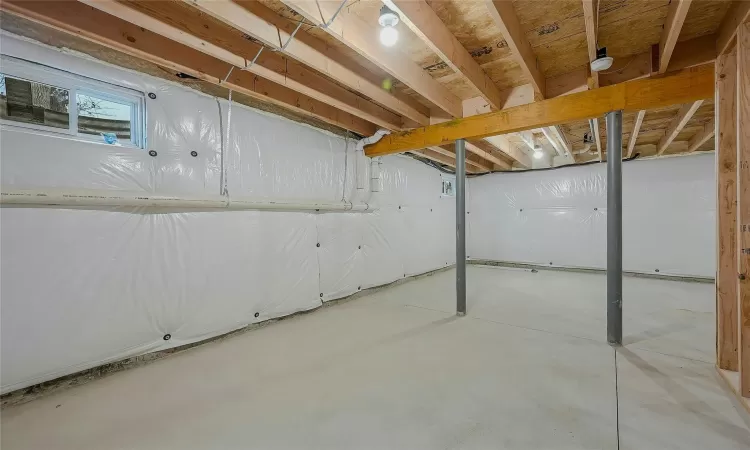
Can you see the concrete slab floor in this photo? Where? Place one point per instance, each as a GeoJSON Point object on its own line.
{"type": "Point", "coordinates": [527, 368]}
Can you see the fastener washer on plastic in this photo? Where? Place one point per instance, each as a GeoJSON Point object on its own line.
{"type": "Point", "coordinates": [151, 95]}
{"type": "Point", "coordinates": [152, 152]}
{"type": "Point", "coordinates": [167, 337]}
{"type": "Point", "coordinates": [193, 153]}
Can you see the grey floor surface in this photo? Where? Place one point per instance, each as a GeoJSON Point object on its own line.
{"type": "Point", "coordinates": [527, 368]}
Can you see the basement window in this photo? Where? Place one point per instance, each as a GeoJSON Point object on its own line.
{"type": "Point", "coordinates": [37, 97]}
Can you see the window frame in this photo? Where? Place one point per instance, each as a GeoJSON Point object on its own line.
{"type": "Point", "coordinates": [77, 84]}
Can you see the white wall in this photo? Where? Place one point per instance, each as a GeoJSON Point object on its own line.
{"type": "Point", "coordinates": [80, 287]}
{"type": "Point", "coordinates": [559, 217]}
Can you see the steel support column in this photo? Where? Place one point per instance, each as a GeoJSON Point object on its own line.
{"type": "Point", "coordinates": [461, 227]}
{"type": "Point", "coordinates": [614, 228]}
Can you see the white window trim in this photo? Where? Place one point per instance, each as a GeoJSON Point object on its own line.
{"type": "Point", "coordinates": [75, 84]}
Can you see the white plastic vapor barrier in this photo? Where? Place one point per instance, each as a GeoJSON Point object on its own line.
{"type": "Point", "coordinates": [558, 217]}
{"type": "Point", "coordinates": [86, 285]}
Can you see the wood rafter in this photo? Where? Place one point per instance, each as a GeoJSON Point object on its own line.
{"type": "Point", "coordinates": [359, 35]}
{"type": "Point", "coordinates": [597, 137]}
{"type": "Point", "coordinates": [677, 124]}
{"type": "Point", "coordinates": [258, 21]}
{"type": "Point", "coordinates": [636, 130]}
{"type": "Point", "coordinates": [708, 131]}
{"type": "Point", "coordinates": [93, 25]}
{"type": "Point", "coordinates": [591, 21]}
{"type": "Point", "coordinates": [422, 20]}
{"type": "Point", "coordinates": [678, 10]}
{"type": "Point", "coordinates": [504, 15]}
{"type": "Point", "coordinates": [688, 85]}
{"type": "Point", "coordinates": [738, 13]}
{"type": "Point", "coordinates": [270, 65]}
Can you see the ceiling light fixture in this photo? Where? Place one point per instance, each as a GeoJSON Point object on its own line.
{"type": "Point", "coordinates": [388, 20]}
{"type": "Point", "coordinates": [602, 61]}
{"type": "Point", "coordinates": [538, 154]}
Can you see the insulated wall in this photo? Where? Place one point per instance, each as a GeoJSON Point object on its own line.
{"type": "Point", "coordinates": [80, 287]}
{"type": "Point", "coordinates": [559, 217]}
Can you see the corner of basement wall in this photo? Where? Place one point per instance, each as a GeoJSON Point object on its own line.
{"type": "Point", "coordinates": [558, 217]}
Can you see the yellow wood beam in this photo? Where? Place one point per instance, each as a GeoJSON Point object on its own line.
{"type": "Point", "coordinates": [743, 201]}
{"type": "Point", "coordinates": [695, 83]}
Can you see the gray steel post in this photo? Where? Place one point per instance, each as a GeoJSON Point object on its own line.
{"type": "Point", "coordinates": [461, 227]}
{"type": "Point", "coordinates": [614, 228]}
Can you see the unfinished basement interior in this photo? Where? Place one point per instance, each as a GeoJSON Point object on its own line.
{"type": "Point", "coordinates": [374, 224]}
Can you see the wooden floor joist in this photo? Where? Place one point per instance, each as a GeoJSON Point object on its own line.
{"type": "Point", "coordinates": [258, 21]}
{"type": "Point", "coordinates": [104, 29]}
{"type": "Point", "coordinates": [269, 65]}
{"type": "Point", "coordinates": [677, 124]}
{"type": "Point", "coordinates": [685, 86]}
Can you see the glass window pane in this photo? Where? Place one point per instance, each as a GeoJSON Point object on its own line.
{"type": "Point", "coordinates": [32, 102]}
{"type": "Point", "coordinates": [104, 117]}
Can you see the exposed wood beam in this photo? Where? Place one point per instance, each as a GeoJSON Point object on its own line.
{"type": "Point", "coordinates": [636, 130]}
{"type": "Point", "coordinates": [270, 66]}
{"type": "Point", "coordinates": [702, 136]}
{"type": "Point", "coordinates": [695, 52]}
{"type": "Point", "coordinates": [360, 36]}
{"type": "Point", "coordinates": [743, 201]}
{"type": "Point", "coordinates": [437, 157]}
{"type": "Point", "coordinates": [510, 149]}
{"type": "Point", "coordinates": [678, 10]}
{"type": "Point", "coordinates": [260, 22]}
{"type": "Point", "coordinates": [93, 25]}
{"type": "Point", "coordinates": [504, 15]}
{"type": "Point", "coordinates": [451, 154]}
{"type": "Point", "coordinates": [591, 21]}
{"type": "Point", "coordinates": [597, 137]}
{"type": "Point", "coordinates": [484, 149]}
{"type": "Point", "coordinates": [422, 20]}
{"type": "Point", "coordinates": [738, 13]}
{"type": "Point", "coordinates": [549, 134]}
{"type": "Point", "coordinates": [689, 85]}
{"type": "Point", "coordinates": [560, 135]}
{"type": "Point", "coordinates": [677, 124]}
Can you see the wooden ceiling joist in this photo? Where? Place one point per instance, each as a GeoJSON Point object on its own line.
{"type": "Point", "coordinates": [269, 65]}
{"type": "Point", "coordinates": [597, 137]}
{"type": "Point", "coordinates": [738, 13]}
{"type": "Point", "coordinates": [677, 124]}
{"type": "Point", "coordinates": [104, 29]}
{"type": "Point", "coordinates": [678, 10]}
{"type": "Point", "coordinates": [689, 85]}
{"type": "Point", "coordinates": [422, 20]}
{"type": "Point", "coordinates": [591, 22]}
{"type": "Point", "coordinates": [504, 15]}
{"type": "Point", "coordinates": [484, 150]}
{"type": "Point", "coordinates": [708, 131]}
{"type": "Point", "coordinates": [360, 36]}
{"type": "Point", "coordinates": [263, 24]}
{"type": "Point", "coordinates": [636, 129]}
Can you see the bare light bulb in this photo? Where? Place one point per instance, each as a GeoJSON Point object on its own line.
{"type": "Point", "coordinates": [388, 36]}
{"type": "Point", "coordinates": [538, 154]}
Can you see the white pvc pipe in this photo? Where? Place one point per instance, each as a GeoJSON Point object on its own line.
{"type": "Point", "coordinates": [85, 197]}
{"type": "Point", "coordinates": [362, 181]}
